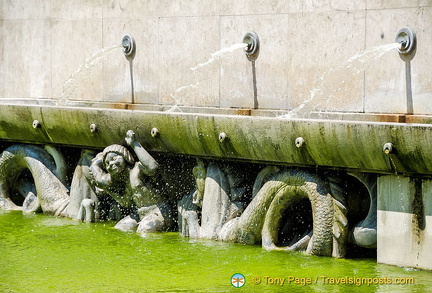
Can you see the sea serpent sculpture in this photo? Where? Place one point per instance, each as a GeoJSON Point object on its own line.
{"type": "Point", "coordinates": [275, 193]}
{"type": "Point", "coordinates": [262, 219]}
{"type": "Point", "coordinates": [46, 166]}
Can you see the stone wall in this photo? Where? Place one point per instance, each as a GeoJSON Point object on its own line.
{"type": "Point", "coordinates": [404, 221]}
{"type": "Point", "coordinates": [43, 43]}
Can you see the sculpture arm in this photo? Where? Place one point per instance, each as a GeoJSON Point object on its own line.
{"type": "Point", "coordinates": [148, 164]}
{"type": "Point", "coordinates": [101, 178]}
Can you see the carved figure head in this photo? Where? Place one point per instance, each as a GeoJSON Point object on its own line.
{"type": "Point", "coordinates": [116, 158]}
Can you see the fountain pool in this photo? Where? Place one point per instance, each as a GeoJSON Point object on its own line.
{"type": "Point", "coordinates": [47, 254]}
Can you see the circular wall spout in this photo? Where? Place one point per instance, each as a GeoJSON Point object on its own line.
{"type": "Point", "coordinates": [154, 132]}
{"type": "Point", "coordinates": [299, 142]}
{"type": "Point", "coordinates": [128, 44]}
{"type": "Point", "coordinates": [93, 128]}
{"type": "Point", "coordinates": [388, 148]}
{"type": "Point", "coordinates": [36, 124]}
{"type": "Point", "coordinates": [222, 136]}
{"type": "Point", "coordinates": [253, 44]}
{"type": "Point", "coordinates": [406, 38]}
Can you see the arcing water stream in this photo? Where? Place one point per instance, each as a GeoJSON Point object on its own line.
{"type": "Point", "coordinates": [81, 74]}
{"type": "Point", "coordinates": [352, 67]}
{"type": "Point", "coordinates": [213, 57]}
{"type": "Point", "coordinates": [216, 55]}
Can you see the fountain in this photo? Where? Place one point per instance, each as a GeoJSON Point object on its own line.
{"type": "Point", "coordinates": [229, 141]}
{"type": "Point", "coordinates": [238, 175]}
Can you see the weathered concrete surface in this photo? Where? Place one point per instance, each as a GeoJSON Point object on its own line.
{"type": "Point", "coordinates": [404, 221]}
{"type": "Point", "coordinates": [41, 45]}
{"type": "Point", "coordinates": [342, 144]}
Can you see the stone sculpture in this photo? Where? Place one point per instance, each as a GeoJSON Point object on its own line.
{"type": "Point", "coordinates": [121, 184]}
{"type": "Point", "coordinates": [274, 192]}
{"type": "Point", "coordinates": [84, 203]}
{"type": "Point", "coordinates": [132, 184]}
{"type": "Point", "coordinates": [218, 198]}
{"type": "Point", "coordinates": [45, 192]}
{"type": "Point", "coordinates": [104, 185]}
{"type": "Point", "coordinates": [261, 220]}
{"type": "Point", "coordinates": [364, 233]}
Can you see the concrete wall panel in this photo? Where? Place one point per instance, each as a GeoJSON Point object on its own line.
{"type": "Point", "coordinates": [181, 8]}
{"type": "Point", "coordinates": [386, 80]}
{"type": "Point", "coordinates": [249, 7]}
{"type": "Point", "coordinates": [71, 9]}
{"type": "Point", "coordinates": [70, 50]}
{"type": "Point", "coordinates": [313, 6]}
{"type": "Point", "coordinates": [302, 42]}
{"type": "Point", "coordinates": [20, 9]}
{"type": "Point", "coordinates": [404, 221]}
{"type": "Point", "coordinates": [319, 47]}
{"type": "Point", "coordinates": [178, 54]}
{"type": "Point", "coordinates": [26, 58]}
{"type": "Point", "coordinates": [130, 9]}
{"type": "Point", "coordinates": [387, 4]}
{"type": "Point", "coordinates": [2, 56]}
{"type": "Point", "coordinates": [145, 65]}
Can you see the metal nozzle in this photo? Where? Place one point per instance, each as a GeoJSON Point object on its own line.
{"type": "Point", "coordinates": [407, 42]}
{"type": "Point", "coordinates": [253, 44]}
{"type": "Point", "coordinates": [128, 44]}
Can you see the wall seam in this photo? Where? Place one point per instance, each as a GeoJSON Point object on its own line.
{"type": "Point", "coordinates": [364, 72]}
{"type": "Point", "coordinates": [104, 94]}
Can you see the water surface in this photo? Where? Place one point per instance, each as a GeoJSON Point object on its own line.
{"type": "Point", "coordinates": [45, 254]}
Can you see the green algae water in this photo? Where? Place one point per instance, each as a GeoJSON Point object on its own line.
{"type": "Point", "coordinates": [45, 254]}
